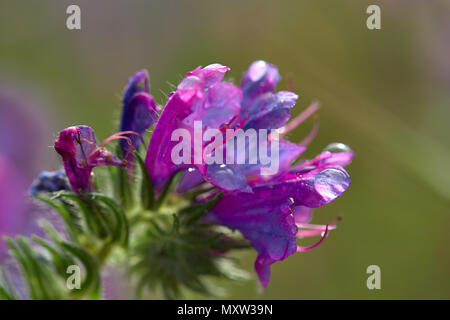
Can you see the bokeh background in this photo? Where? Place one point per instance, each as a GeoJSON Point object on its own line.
{"type": "Point", "coordinates": [385, 93]}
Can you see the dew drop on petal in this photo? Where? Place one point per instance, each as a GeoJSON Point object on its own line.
{"type": "Point", "coordinates": [331, 183]}
{"type": "Point", "coordinates": [337, 147]}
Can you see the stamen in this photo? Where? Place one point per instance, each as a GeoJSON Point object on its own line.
{"type": "Point", "coordinates": [312, 134]}
{"type": "Point", "coordinates": [294, 123]}
{"type": "Point", "coordinates": [120, 136]}
{"type": "Point", "coordinates": [78, 140]}
{"type": "Point", "coordinates": [304, 249]}
{"type": "Point", "coordinates": [332, 225]}
{"type": "Point", "coordinates": [315, 230]}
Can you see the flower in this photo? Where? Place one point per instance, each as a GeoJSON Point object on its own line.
{"type": "Point", "coordinates": [139, 110]}
{"type": "Point", "coordinates": [202, 95]}
{"type": "Point", "coordinates": [78, 149]}
{"type": "Point", "coordinates": [278, 211]}
{"type": "Point", "coordinates": [12, 205]}
{"type": "Point", "coordinates": [49, 181]}
{"type": "Point", "coordinates": [19, 160]}
{"type": "Point", "coordinates": [261, 108]}
{"type": "Point", "coordinates": [270, 211]}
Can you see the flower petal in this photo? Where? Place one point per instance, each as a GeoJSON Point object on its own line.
{"type": "Point", "coordinates": [158, 159]}
{"type": "Point", "coordinates": [270, 228]}
{"type": "Point", "coordinates": [270, 111]}
{"type": "Point", "coordinates": [232, 177]}
{"type": "Point", "coordinates": [138, 115]}
{"type": "Point", "coordinates": [133, 86]}
{"type": "Point", "coordinates": [261, 77]}
{"type": "Point", "coordinates": [199, 96]}
{"type": "Point", "coordinates": [302, 214]}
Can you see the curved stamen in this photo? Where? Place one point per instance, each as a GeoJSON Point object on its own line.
{"type": "Point", "coordinates": [311, 230]}
{"type": "Point", "coordinates": [119, 136]}
{"type": "Point", "coordinates": [312, 134]}
{"type": "Point", "coordinates": [319, 227]}
{"type": "Point", "coordinates": [130, 145]}
{"type": "Point", "coordinates": [294, 123]}
{"type": "Point", "coordinates": [303, 249]}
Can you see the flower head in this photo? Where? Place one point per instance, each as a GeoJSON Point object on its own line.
{"type": "Point", "coordinates": [272, 211]}
{"type": "Point", "coordinates": [78, 149]}
{"type": "Point", "coordinates": [139, 110]}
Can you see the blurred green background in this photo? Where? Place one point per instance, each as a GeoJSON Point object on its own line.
{"type": "Point", "coordinates": [385, 93]}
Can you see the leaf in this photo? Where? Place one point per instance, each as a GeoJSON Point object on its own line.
{"type": "Point", "coordinates": [6, 290]}
{"type": "Point", "coordinates": [26, 268]}
{"type": "Point", "coordinates": [91, 284]}
{"type": "Point", "coordinates": [4, 294]}
{"type": "Point", "coordinates": [42, 282]}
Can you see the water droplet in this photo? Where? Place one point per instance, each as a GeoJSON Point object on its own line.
{"type": "Point", "coordinates": [337, 147]}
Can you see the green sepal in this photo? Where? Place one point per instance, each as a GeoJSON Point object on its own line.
{"type": "Point", "coordinates": [147, 190]}
{"type": "Point", "coordinates": [86, 210]}
{"type": "Point", "coordinates": [194, 213]}
{"type": "Point", "coordinates": [167, 187]}
{"type": "Point", "coordinates": [123, 187]}
{"type": "Point", "coordinates": [103, 216]}
{"type": "Point", "coordinates": [121, 229]}
{"type": "Point", "coordinates": [67, 213]}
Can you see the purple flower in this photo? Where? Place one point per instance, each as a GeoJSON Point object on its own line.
{"type": "Point", "coordinates": [139, 110]}
{"type": "Point", "coordinates": [78, 149]}
{"type": "Point", "coordinates": [261, 108]}
{"type": "Point", "coordinates": [200, 96]}
{"type": "Point", "coordinates": [278, 211]}
{"type": "Point", "coordinates": [12, 204]}
{"type": "Point", "coordinates": [272, 212]}
{"type": "Point", "coordinates": [48, 182]}
{"type": "Point", "coordinates": [19, 161]}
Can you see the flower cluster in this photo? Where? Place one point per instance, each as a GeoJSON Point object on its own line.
{"type": "Point", "coordinates": [272, 212]}
{"type": "Point", "coordinates": [261, 209]}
